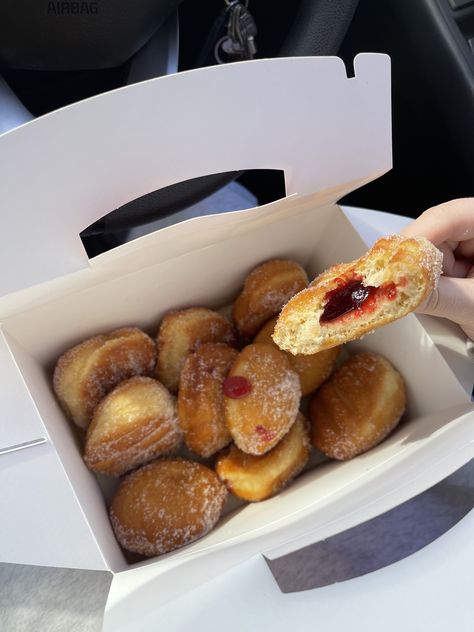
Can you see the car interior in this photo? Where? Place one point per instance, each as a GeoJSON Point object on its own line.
{"type": "Point", "coordinates": [56, 53]}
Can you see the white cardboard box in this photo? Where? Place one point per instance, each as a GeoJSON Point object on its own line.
{"type": "Point", "coordinates": [330, 134]}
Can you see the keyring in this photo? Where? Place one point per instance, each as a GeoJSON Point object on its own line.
{"type": "Point", "coordinates": [230, 3]}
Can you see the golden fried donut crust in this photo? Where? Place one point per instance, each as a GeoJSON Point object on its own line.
{"type": "Point", "coordinates": [360, 404]}
{"type": "Point", "coordinates": [255, 478]}
{"type": "Point", "coordinates": [312, 369]}
{"type": "Point", "coordinates": [402, 271]}
{"type": "Point", "coordinates": [165, 505]}
{"type": "Point", "coordinates": [266, 289]}
{"type": "Point", "coordinates": [259, 420]}
{"type": "Point", "coordinates": [133, 424]}
{"type": "Point", "coordinates": [181, 332]}
{"type": "Point", "coordinates": [201, 400]}
{"type": "Point", "coordinates": [87, 372]}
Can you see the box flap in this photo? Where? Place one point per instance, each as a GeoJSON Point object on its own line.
{"type": "Point", "coordinates": [65, 170]}
{"type": "Point", "coordinates": [42, 522]}
{"type": "Point", "coordinates": [20, 423]}
{"type": "Point", "coordinates": [246, 597]}
{"type": "Point", "coordinates": [43, 483]}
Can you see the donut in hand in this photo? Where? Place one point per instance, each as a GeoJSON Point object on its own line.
{"type": "Point", "coordinates": [351, 299]}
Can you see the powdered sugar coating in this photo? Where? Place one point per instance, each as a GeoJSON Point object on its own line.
{"type": "Point", "coordinates": [357, 407]}
{"type": "Point", "coordinates": [166, 505]}
{"type": "Point", "coordinates": [313, 369]}
{"type": "Point", "coordinates": [258, 421]}
{"type": "Point", "coordinates": [431, 259]}
{"type": "Point", "coordinates": [87, 372]}
{"type": "Point", "coordinates": [410, 266]}
{"type": "Point", "coordinates": [274, 299]}
{"type": "Point", "coordinates": [257, 477]}
{"type": "Point", "coordinates": [133, 424]}
{"type": "Point", "coordinates": [183, 331]}
{"type": "Point", "coordinates": [201, 400]}
{"type": "Point", "coordinates": [266, 289]}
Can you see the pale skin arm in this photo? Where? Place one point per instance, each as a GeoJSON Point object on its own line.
{"type": "Point", "coordinates": [450, 227]}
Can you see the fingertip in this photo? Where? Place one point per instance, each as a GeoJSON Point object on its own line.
{"type": "Point", "coordinates": [450, 220]}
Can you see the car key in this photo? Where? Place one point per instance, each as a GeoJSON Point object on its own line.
{"type": "Point", "coordinates": [246, 31]}
{"type": "Point", "coordinates": [239, 43]}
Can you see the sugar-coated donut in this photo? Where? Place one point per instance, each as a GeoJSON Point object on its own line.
{"type": "Point", "coordinates": [311, 369]}
{"type": "Point", "coordinates": [360, 404]}
{"type": "Point", "coordinates": [255, 478]}
{"type": "Point", "coordinates": [201, 400]}
{"type": "Point", "coordinates": [165, 505]}
{"type": "Point", "coordinates": [133, 424]}
{"type": "Point", "coordinates": [183, 331]}
{"type": "Point", "coordinates": [261, 398]}
{"type": "Point", "coordinates": [266, 289]}
{"type": "Point", "coordinates": [88, 371]}
{"type": "Point", "coordinates": [351, 299]}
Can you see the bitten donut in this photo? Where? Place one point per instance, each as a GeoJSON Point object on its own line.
{"type": "Point", "coordinates": [201, 400]}
{"type": "Point", "coordinates": [311, 369]}
{"type": "Point", "coordinates": [88, 371]}
{"type": "Point", "coordinates": [181, 332]}
{"type": "Point", "coordinates": [360, 404]}
{"type": "Point", "coordinates": [132, 425]}
{"type": "Point", "coordinates": [261, 398]}
{"type": "Point", "coordinates": [165, 505]}
{"type": "Point", "coordinates": [351, 299]}
{"type": "Point", "coordinates": [266, 289]}
{"type": "Point", "coordinates": [255, 478]}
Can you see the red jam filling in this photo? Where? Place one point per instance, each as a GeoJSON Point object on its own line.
{"type": "Point", "coordinates": [265, 433]}
{"type": "Point", "coordinates": [236, 387]}
{"type": "Point", "coordinates": [354, 295]}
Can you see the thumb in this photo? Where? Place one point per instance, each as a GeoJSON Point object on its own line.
{"type": "Point", "coordinates": [453, 299]}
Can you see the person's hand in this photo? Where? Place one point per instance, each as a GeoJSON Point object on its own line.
{"type": "Point", "coordinates": [450, 227]}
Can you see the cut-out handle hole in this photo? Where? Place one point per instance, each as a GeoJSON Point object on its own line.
{"type": "Point", "coordinates": [228, 191]}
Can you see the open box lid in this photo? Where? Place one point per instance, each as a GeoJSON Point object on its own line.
{"type": "Point", "coordinates": [63, 171]}
{"type": "Point", "coordinates": [110, 149]}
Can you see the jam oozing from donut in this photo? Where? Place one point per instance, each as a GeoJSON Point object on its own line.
{"type": "Point", "coordinates": [264, 432]}
{"type": "Point", "coordinates": [236, 387]}
{"type": "Point", "coordinates": [354, 295]}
